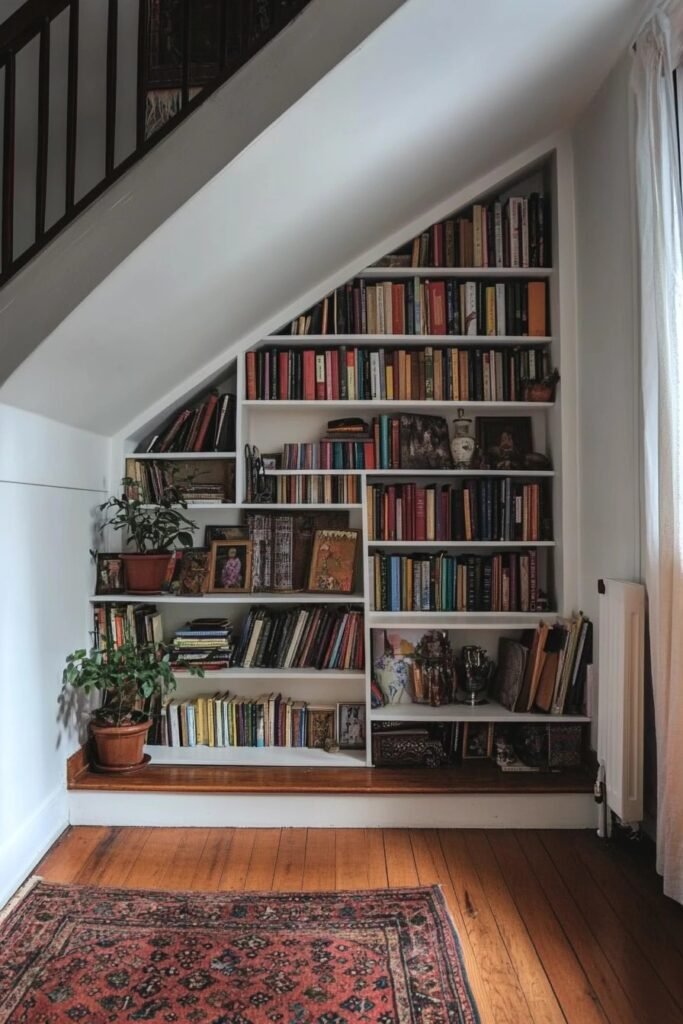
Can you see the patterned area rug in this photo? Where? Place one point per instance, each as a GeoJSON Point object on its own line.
{"type": "Point", "coordinates": [75, 953]}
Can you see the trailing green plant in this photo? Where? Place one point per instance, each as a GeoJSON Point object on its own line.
{"type": "Point", "coordinates": [124, 675]}
{"type": "Point", "coordinates": [151, 529]}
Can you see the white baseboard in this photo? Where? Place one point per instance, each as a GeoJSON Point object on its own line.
{"type": "Point", "coordinates": [459, 810]}
{"type": "Point", "coordinates": [20, 853]}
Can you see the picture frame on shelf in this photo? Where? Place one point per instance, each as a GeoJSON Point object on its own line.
{"type": "Point", "coordinates": [425, 442]}
{"type": "Point", "coordinates": [212, 533]}
{"type": "Point", "coordinates": [109, 573]}
{"type": "Point", "coordinates": [351, 726]}
{"type": "Point", "coordinates": [230, 566]}
{"type": "Point", "coordinates": [333, 561]}
{"type": "Point", "coordinates": [477, 740]}
{"type": "Point", "coordinates": [322, 725]}
{"type": "Point", "coordinates": [504, 441]}
{"type": "Point", "coordinates": [192, 574]}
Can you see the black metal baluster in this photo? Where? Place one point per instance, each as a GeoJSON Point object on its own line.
{"type": "Point", "coordinates": [112, 51]}
{"type": "Point", "coordinates": [72, 105]}
{"type": "Point", "coordinates": [43, 128]}
{"type": "Point", "coordinates": [186, 53]}
{"type": "Point", "coordinates": [8, 163]}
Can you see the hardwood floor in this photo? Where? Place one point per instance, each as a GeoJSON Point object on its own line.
{"type": "Point", "coordinates": [555, 926]}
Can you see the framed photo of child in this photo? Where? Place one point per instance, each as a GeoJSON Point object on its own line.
{"type": "Point", "coordinates": [230, 566]}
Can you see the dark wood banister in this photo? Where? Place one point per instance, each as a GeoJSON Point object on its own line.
{"type": "Point", "coordinates": [33, 20]}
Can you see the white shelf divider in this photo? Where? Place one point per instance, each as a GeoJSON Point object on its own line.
{"type": "Point", "coordinates": [411, 405]}
{"type": "Point", "coordinates": [180, 456]}
{"type": "Point", "coordinates": [429, 545]}
{"type": "Point", "coordinates": [265, 597]}
{"type": "Point", "coordinates": [258, 757]}
{"type": "Point", "coordinates": [440, 340]}
{"type": "Point", "coordinates": [489, 712]}
{"type": "Point", "coordinates": [528, 273]}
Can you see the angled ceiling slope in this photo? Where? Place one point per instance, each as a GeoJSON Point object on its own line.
{"type": "Point", "coordinates": [437, 96]}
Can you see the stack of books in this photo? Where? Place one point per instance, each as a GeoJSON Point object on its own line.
{"type": "Point", "coordinates": [506, 582]}
{"type": "Point", "coordinates": [422, 307]}
{"type": "Point", "coordinates": [204, 643]}
{"type": "Point", "coordinates": [321, 638]}
{"type": "Point", "coordinates": [425, 374]}
{"type": "Point", "coordinates": [153, 481]}
{"type": "Point", "coordinates": [222, 720]}
{"type": "Point", "coordinates": [206, 426]}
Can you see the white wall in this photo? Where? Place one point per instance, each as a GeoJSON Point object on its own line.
{"type": "Point", "coordinates": [609, 384]}
{"type": "Point", "coordinates": [51, 477]}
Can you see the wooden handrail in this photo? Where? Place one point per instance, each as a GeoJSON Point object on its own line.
{"type": "Point", "coordinates": [238, 32]}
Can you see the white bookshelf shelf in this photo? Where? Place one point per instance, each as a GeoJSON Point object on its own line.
{"type": "Point", "coordinates": [180, 456]}
{"type": "Point", "coordinates": [258, 757]}
{"type": "Point", "coordinates": [494, 272]}
{"type": "Point", "coordinates": [490, 712]}
{"type": "Point", "coordinates": [389, 405]}
{"type": "Point", "coordinates": [260, 597]}
{"type": "Point", "coordinates": [438, 474]}
{"type": "Point", "coordinates": [428, 545]}
{"type": "Point", "coordinates": [238, 675]}
{"type": "Point", "coordinates": [457, 620]}
{"type": "Point", "coordinates": [304, 506]}
{"type": "Point", "coordinates": [441, 340]}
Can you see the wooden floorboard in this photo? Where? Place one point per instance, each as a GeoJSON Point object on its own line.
{"type": "Point", "coordinates": [555, 927]}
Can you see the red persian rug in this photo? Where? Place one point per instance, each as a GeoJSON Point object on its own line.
{"type": "Point", "coordinates": [74, 953]}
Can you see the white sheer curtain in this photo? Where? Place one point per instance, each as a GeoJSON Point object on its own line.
{"type": "Point", "coordinates": [661, 317]}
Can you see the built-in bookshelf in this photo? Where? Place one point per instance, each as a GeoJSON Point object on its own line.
{"type": "Point", "coordinates": [462, 322]}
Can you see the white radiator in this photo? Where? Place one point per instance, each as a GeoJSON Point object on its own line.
{"type": "Point", "coordinates": [620, 696]}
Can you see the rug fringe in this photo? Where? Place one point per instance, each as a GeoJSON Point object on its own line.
{"type": "Point", "coordinates": [19, 895]}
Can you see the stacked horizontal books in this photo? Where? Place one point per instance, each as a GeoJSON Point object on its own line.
{"type": "Point", "coordinates": [206, 426]}
{"type": "Point", "coordinates": [506, 582]}
{"type": "Point", "coordinates": [395, 374]}
{"type": "Point", "coordinates": [203, 643]}
{"type": "Point", "coordinates": [318, 490]}
{"type": "Point", "coordinates": [223, 720]}
{"type": "Point", "coordinates": [320, 638]}
{"type": "Point", "coordinates": [481, 510]}
{"type": "Point", "coordinates": [421, 307]}
{"type": "Point", "coordinates": [510, 233]}
{"type": "Point", "coordinates": [153, 481]}
{"type": "Point", "coordinates": [546, 671]}
{"type": "Point", "coordinates": [115, 624]}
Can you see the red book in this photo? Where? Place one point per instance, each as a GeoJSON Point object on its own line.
{"type": "Point", "coordinates": [420, 514]}
{"type": "Point", "coordinates": [309, 374]}
{"type": "Point", "coordinates": [437, 245]}
{"type": "Point", "coordinates": [398, 309]}
{"type": "Point", "coordinates": [178, 422]}
{"type": "Point", "coordinates": [209, 408]}
{"type": "Point", "coordinates": [283, 376]}
{"type": "Point", "coordinates": [369, 452]}
{"type": "Point", "coordinates": [251, 376]}
{"type": "Point", "coordinates": [395, 443]}
{"type": "Point", "coordinates": [436, 297]}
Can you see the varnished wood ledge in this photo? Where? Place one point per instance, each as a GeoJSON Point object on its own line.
{"type": "Point", "coordinates": [475, 777]}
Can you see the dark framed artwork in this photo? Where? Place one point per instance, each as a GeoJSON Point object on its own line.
{"type": "Point", "coordinates": [504, 441]}
{"type": "Point", "coordinates": [425, 443]}
{"type": "Point", "coordinates": [322, 725]}
{"type": "Point", "coordinates": [230, 567]}
{"type": "Point", "coordinates": [110, 576]}
{"type": "Point", "coordinates": [192, 575]}
{"type": "Point", "coordinates": [212, 533]}
{"type": "Point", "coordinates": [351, 726]}
{"type": "Point", "coordinates": [477, 739]}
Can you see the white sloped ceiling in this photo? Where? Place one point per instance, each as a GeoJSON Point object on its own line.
{"type": "Point", "coordinates": [441, 93]}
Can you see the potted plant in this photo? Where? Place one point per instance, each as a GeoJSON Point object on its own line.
{"type": "Point", "coordinates": [540, 390]}
{"type": "Point", "coordinates": [153, 529]}
{"type": "Point", "coordinates": [127, 676]}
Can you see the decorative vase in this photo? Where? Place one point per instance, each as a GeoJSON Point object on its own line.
{"type": "Point", "coordinates": [120, 747]}
{"type": "Point", "coordinates": [391, 675]}
{"type": "Point", "coordinates": [145, 574]}
{"type": "Point", "coordinates": [462, 445]}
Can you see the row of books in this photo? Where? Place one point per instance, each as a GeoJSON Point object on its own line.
{"type": "Point", "coordinates": [322, 638]}
{"type": "Point", "coordinates": [506, 582]}
{"type": "Point", "coordinates": [394, 374]}
{"type": "Point", "coordinates": [318, 490]}
{"type": "Point", "coordinates": [282, 546]}
{"type": "Point", "coordinates": [205, 643]}
{"type": "Point", "coordinates": [155, 482]}
{"type": "Point", "coordinates": [207, 425]}
{"type": "Point", "coordinates": [480, 510]}
{"type": "Point", "coordinates": [546, 670]}
{"type": "Point", "coordinates": [420, 307]}
{"type": "Point", "coordinates": [225, 720]}
{"type": "Point", "coordinates": [114, 624]}
{"type": "Point", "coordinates": [512, 233]}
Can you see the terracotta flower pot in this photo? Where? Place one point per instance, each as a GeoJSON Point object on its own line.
{"type": "Point", "coordinates": [145, 574]}
{"type": "Point", "coordinates": [120, 746]}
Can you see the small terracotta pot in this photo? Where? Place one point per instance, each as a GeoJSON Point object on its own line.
{"type": "Point", "coordinates": [120, 746]}
{"type": "Point", "coordinates": [145, 574]}
{"type": "Point", "coordinates": [538, 392]}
